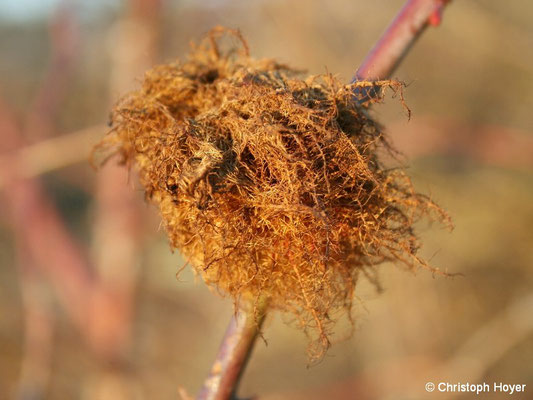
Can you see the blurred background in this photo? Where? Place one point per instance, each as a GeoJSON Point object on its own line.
{"type": "Point", "coordinates": [90, 305]}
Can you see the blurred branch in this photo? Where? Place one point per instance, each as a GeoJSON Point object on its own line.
{"type": "Point", "coordinates": [41, 231]}
{"type": "Point", "coordinates": [488, 144]}
{"type": "Point", "coordinates": [116, 232]}
{"type": "Point", "coordinates": [491, 341]}
{"type": "Point", "coordinates": [99, 304]}
{"type": "Point", "coordinates": [50, 154]}
{"type": "Point", "coordinates": [38, 339]}
{"type": "Point", "coordinates": [405, 377]}
{"type": "Point", "coordinates": [493, 145]}
{"type": "Point", "coordinates": [38, 226]}
{"type": "Point", "coordinates": [479, 352]}
{"type": "Point", "coordinates": [64, 38]}
{"type": "Point", "coordinates": [401, 34]}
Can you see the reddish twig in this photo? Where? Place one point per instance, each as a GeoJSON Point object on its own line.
{"type": "Point", "coordinates": [395, 43]}
{"type": "Point", "coordinates": [49, 154]}
{"type": "Point", "coordinates": [233, 354]}
{"type": "Point", "coordinates": [64, 40]}
{"type": "Point", "coordinates": [98, 301]}
{"type": "Point", "coordinates": [39, 227]}
{"type": "Point", "coordinates": [39, 327]}
{"type": "Point", "coordinates": [41, 231]}
{"type": "Point", "coordinates": [379, 64]}
{"type": "Point", "coordinates": [117, 230]}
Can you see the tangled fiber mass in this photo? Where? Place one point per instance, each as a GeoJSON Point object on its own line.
{"type": "Point", "coordinates": [268, 184]}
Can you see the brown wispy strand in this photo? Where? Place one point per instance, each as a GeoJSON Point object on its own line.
{"type": "Point", "coordinates": [270, 185]}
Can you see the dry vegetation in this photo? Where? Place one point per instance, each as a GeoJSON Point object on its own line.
{"type": "Point", "coordinates": [269, 185]}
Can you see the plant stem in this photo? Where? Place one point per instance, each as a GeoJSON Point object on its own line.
{"type": "Point", "coordinates": [401, 34]}
{"type": "Point", "coordinates": [234, 352]}
{"type": "Point", "coordinates": [382, 60]}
